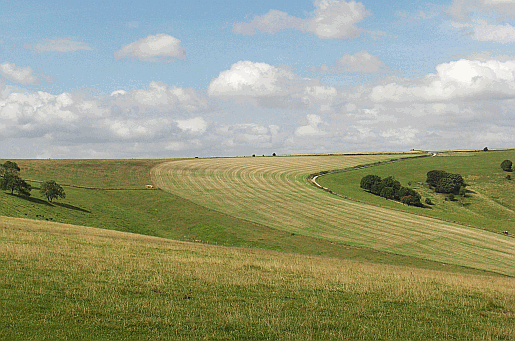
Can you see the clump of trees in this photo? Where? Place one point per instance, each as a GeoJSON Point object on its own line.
{"type": "Point", "coordinates": [392, 189]}
{"type": "Point", "coordinates": [11, 181]}
{"type": "Point", "coordinates": [444, 182]}
{"type": "Point", "coordinates": [506, 166]}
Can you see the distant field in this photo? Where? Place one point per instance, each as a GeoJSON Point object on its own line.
{"type": "Point", "coordinates": [64, 282]}
{"type": "Point", "coordinates": [131, 208]}
{"type": "Point", "coordinates": [490, 201]}
{"type": "Point", "coordinates": [273, 191]}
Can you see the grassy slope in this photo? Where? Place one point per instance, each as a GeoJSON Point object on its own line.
{"type": "Point", "coordinates": [161, 214]}
{"type": "Point", "coordinates": [69, 282]}
{"type": "Point", "coordinates": [274, 192]}
{"type": "Point", "coordinates": [489, 204]}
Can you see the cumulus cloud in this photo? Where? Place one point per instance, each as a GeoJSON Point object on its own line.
{"type": "Point", "coordinates": [312, 128]}
{"type": "Point", "coordinates": [194, 125]}
{"type": "Point", "coordinates": [130, 128]}
{"type": "Point", "coordinates": [29, 111]}
{"type": "Point", "coordinates": [17, 74]}
{"type": "Point", "coordinates": [59, 45]}
{"type": "Point", "coordinates": [331, 19]}
{"type": "Point", "coordinates": [360, 62]}
{"type": "Point", "coordinates": [159, 96]}
{"type": "Point", "coordinates": [246, 78]}
{"type": "Point", "coordinates": [463, 79]}
{"type": "Point", "coordinates": [480, 30]}
{"type": "Point", "coordinates": [463, 10]}
{"type": "Point", "coordinates": [270, 86]}
{"type": "Point", "coordinates": [154, 48]}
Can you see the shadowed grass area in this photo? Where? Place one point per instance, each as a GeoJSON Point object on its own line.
{"type": "Point", "coordinates": [68, 282]}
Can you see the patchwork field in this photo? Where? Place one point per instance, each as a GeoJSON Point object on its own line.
{"type": "Point", "coordinates": [65, 282]}
{"type": "Point", "coordinates": [274, 191]}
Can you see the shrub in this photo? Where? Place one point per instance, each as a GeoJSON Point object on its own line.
{"type": "Point", "coordinates": [444, 182]}
{"type": "Point", "coordinates": [506, 165]}
{"type": "Point", "coordinates": [485, 149]}
{"type": "Point", "coordinates": [428, 201]}
{"type": "Point", "coordinates": [451, 197]}
{"type": "Point", "coordinates": [508, 177]}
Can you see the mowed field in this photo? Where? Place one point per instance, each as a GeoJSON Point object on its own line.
{"type": "Point", "coordinates": [274, 191]}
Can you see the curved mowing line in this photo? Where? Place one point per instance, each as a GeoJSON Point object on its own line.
{"type": "Point", "coordinates": [274, 191]}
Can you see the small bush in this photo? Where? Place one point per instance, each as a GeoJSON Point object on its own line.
{"type": "Point", "coordinates": [506, 165]}
{"type": "Point", "coordinates": [508, 177]}
{"type": "Point", "coordinates": [451, 197]}
{"type": "Point", "coordinates": [428, 201]}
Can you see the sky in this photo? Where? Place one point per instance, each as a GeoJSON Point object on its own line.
{"type": "Point", "coordinates": [155, 79]}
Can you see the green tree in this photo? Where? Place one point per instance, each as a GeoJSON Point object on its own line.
{"type": "Point", "coordinates": [506, 165]}
{"type": "Point", "coordinates": [12, 182]}
{"type": "Point", "coordinates": [51, 190]}
{"type": "Point", "coordinates": [368, 181]}
{"type": "Point", "coordinates": [388, 193]}
{"type": "Point", "coordinates": [9, 167]}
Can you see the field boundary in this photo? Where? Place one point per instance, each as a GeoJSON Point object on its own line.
{"type": "Point", "coordinates": [101, 189]}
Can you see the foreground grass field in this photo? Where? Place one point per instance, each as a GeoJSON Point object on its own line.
{"type": "Point", "coordinates": [274, 192]}
{"type": "Point", "coordinates": [489, 203]}
{"type": "Point", "coordinates": [76, 283]}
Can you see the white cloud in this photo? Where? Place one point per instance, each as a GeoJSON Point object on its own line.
{"type": "Point", "coordinates": [480, 30]}
{"type": "Point", "coordinates": [159, 96]}
{"type": "Point", "coordinates": [21, 75]}
{"type": "Point", "coordinates": [154, 48]}
{"type": "Point", "coordinates": [312, 128]}
{"type": "Point", "coordinates": [193, 125]}
{"type": "Point", "coordinates": [59, 45]}
{"type": "Point", "coordinates": [360, 62]}
{"type": "Point", "coordinates": [246, 78]}
{"type": "Point", "coordinates": [134, 128]}
{"type": "Point", "coordinates": [331, 19]}
{"type": "Point", "coordinates": [463, 79]}
{"type": "Point", "coordinates": [463, 10]}
{"type": "Point", "coordinates": [28, 111]}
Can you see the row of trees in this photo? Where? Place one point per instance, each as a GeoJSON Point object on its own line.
{"type": "Point", "coordinates": [10, 180]}
{"type": "Point", "coordinates": [390, 188]}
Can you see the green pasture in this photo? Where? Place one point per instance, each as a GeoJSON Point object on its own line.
{"type": "Point", "coordinates": [64, 282]}
{"type": "Point", "coordinates": [490, 199]}
{"type": "Point", "coordinates": [275, 192]}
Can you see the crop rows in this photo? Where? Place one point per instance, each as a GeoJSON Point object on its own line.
{"type": "Point", "coordinates": [274, 191]}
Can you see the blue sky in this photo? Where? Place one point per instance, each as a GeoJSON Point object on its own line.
{"type": "Point", "coordinates": [222, 78]}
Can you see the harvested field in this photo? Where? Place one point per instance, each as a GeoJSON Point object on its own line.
{"type": "Point", "coordinates": [274, 191]}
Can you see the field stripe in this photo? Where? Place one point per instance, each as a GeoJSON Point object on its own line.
{"type": "Point", "coordinates": [274, 191]}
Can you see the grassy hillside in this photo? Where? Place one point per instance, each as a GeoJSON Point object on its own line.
{"type": "Point", "coordinates": [274, 192]}
{"type": "Point", "coordinates": [76, 283]}
{"type": "Point", "coordinates": [131, 208]}
{"type": "Point", "coordinates": [489, 203]}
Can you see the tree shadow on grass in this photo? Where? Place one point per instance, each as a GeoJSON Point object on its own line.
{"type": "Point", "coordinates": [71, 207]}
{"type": "Point", "coordinates": [31, 199]}
{"type": "Point", "coordinates": [47, 203]}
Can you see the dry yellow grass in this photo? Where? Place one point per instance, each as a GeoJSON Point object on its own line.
{"type": "Point", "coordinates": [274, 191]}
